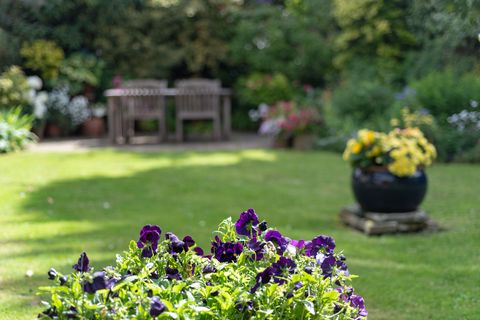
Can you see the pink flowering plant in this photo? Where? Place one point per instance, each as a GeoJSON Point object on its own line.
{"type": "Point", "coordinates": [287, 118]}
{"type": "Point", "coordinates": [250, 272]}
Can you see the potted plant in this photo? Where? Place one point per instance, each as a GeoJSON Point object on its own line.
{"type": "Point", "coordinates": [291, 125]}
{"type": "Point", "coordinates": [94, 126]}
{"type": "Point", "coordinates": [389, 169]}
{"type": "Point", "coordinates": [250, 271]}
{"type": "Point", "coordinates": [65, 113]}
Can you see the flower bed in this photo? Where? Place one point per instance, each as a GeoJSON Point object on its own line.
{"type": "Point", "coordinates": [252, 272]}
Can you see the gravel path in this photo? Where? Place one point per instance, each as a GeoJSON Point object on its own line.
{"type": "Point", "coordinates": [148, 143]}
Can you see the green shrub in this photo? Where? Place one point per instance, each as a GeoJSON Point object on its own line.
{"type": "Point", "coordinates": [13, 88]}
{"type": "Point", "coordinates": [293, 40]}
{"type": "Point", "coordinates": [15, 130]}
{"type": "Point", "coordinates": [264, 88]}
{"type": "Point", "coordinates": [371, 28]}
{"type": "Point", "coordinates": [43, 56]}
{"type": "Point", "coordinates": [362, 101]}
{"type": "Point", "coordinates": [259, 88]}
{"type": "Point", "coordinates": [79, 70]}
{"type": "Point", "coordinates": [446, 32]}
{"type": "Point", "coordinates": [470, 156]}
{"type": "Point", "coordinates": [9, 49]}
{"type": "Point", "coordinates": [445, 93]}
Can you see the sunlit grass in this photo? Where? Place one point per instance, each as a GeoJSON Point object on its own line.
{"type": "Point", "coordinates": [53, 206]}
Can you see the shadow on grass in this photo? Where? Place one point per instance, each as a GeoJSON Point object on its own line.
{"type": "Point", "coordinates": [186, 193]}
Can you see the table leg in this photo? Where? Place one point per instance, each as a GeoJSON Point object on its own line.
{"type": "Point", "coordinates": [111, 120]}
{"type": "Point", "coordinates": [227, 122]}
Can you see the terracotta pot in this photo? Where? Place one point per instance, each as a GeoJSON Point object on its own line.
{"type": "Point", "coordinates": [54, 130]}
{"type": "Point", "coordinates": [378, 190]}
{"type": "Point", "coordinates": [304, 142]}
{"type": "Point", "coordinates": [93, 127]}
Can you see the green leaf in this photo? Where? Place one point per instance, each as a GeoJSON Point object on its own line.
{"type": "Point", "coordinates": [331, 295]}
{"type": "Point", "coordinates": [178, 287]}
{"type": "Point", "coordinates": [309, 306]}
{"type": "Point", "coordinates": [168, 304]}
{"type": "Point", "coordinates": [133, 246]}
{"type": "Point", "coordinates": [124, 283]}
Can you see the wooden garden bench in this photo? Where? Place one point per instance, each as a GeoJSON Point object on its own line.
{"type": "Point", "coordinates": [144, 107]}
{"type": "Point", "coordinates": [200, 99]}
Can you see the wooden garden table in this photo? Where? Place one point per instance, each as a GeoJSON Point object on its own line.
{"type": "Point", "coordinates": [117, 108]}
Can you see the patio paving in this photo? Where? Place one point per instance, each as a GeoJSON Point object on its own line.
{"type": "Point", "coordinates": [237, 141]}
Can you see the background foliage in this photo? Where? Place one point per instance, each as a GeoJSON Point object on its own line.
{"type": "Point", "coordinates": [363, 53]}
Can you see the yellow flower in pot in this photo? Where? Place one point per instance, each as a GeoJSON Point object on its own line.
{"type": "Point", "coordinates": [389, 168]}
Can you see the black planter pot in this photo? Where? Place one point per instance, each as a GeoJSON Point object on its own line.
{"type": "Point", "coordinates": [381, 191]}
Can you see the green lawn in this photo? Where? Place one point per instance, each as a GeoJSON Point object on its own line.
{"type": "Point", "coordinates": [53, 206]}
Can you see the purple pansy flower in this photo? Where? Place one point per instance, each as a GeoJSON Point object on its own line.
{"type": "Point", "coordinates": [256, 246]}
{"type": "Point", "coordinates": [275, 271]}
{"type": "Point", "coordinates": [341, 265]}
{"type": "Point", "coordinates": [263, 277]}
{"type": "Point", "coordinates": [52, 274]}
{"type": "Point", "coordinates": [283, 265]}
{"type": "Point", "coordinates": [345, 293]}
{"type": "Point", "coordinates": [176, 245]}
{"type": "Point", "coordinates": [149, 236]}
{"type": "Point", "coordinates": [244, 306]}
{"type": "Point", "coordinates": [262, 226]}
{"type": "Point", "coordinates": [326, 262]}
{"type": "Point", "coordinates": [99, 282]}
{"type": "Point", "coordinates": [300, 244]}
{"type": "Point", "coordinates": [226, 251]}
{"type": "Point", "coordinates": [172, 273]}
{"type": "Point", "coordinates": [188, 242]}
{"type": "Point", "coordinates": [276, 237]}
{"type": "Point", "coordinates": [198, 251]}
{"type": "Point", "coordinates": [247, 220]}
{"type": "Point", "coordinates": [357, 302]}
{"type": "Point", "coordinates": [208, 269]}
{"type": "Point", "coordinates": [156, 306]}
{"type": "Point", "coordinates": [314, 246]}
{"type": "Point", "coordinates": [83, 264]}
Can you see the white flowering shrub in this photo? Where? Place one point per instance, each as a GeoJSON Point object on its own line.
{"type": "Point", "coordinates": [66, 111]}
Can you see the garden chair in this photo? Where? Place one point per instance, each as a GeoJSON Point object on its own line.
{"type": "Point", "coordinates": [143, 107]}
{"type": "Point", "coordinates": [198, 99]}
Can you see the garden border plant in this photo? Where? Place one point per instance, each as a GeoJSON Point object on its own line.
{"type": "Point", "coordinates": [253, 272]}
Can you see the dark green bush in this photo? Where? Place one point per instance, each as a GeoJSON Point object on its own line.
{"type": "Point", "coordinates": [453, 145]}
{"type": "Point", "coordinates": [445, 93]}
{"type": "Point", "coordinates": [446, 32]}
{"type": "Point", "coordinates": [470, 156]}
{"type": "Point", "coordinates": [292, 40]}
{"type": "Point", "coordinates": [362, 101]}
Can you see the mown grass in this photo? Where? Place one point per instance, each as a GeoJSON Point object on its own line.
{"type": "Point", "coordinates": [53, 206]}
